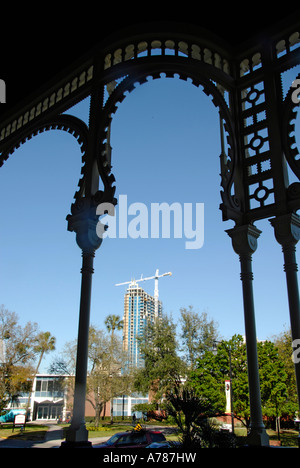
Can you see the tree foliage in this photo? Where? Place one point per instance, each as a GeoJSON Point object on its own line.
{"type": "Point", "coordinates": [197, 334]}
{"type": "Point", "coordinates": [163, 366]}
{"type": "Point", "coordinates": [212, 371]}
{"type": "Point", "coordinates": [283, 343]}
{"type": "Point", "coordinates": [112, 323]}
{"type": "Point", "coordinates": [20, 347]}
{"type": "Point", "coordinates": [44, 344]}
{"type": "Point", "coordinates": [193, 415]}
{"type": "Point", "coordinates": [190, 411]}
{"type": "Point", "coordinates": [272, 379]}
{"type": "Point", "coordinates": [107, 377]}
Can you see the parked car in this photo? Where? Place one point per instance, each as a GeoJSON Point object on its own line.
{"type": "Point", "coordinates": [133, 439]}
{"type": "Point", "coordinates": [165, 444]}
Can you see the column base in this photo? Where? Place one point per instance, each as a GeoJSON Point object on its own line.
{"type": "Point", "coordinates": [77, 438]}
{"type": "Point", "coordinates": [258, 438]}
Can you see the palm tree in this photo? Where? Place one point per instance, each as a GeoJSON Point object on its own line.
{"type": "Point", "coordinates": [112, 323]}
{"type": "Point", "coordinates": [46, 343]}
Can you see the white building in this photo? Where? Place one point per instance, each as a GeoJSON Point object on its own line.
{"type": "Point", "coordinates": [48, 401]}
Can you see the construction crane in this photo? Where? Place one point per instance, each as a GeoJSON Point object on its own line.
{"type": "Point", "coordinates": [155, 277]}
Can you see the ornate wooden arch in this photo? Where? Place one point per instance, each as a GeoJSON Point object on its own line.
{"type": "Point", "coordinates": [259, 125]}
{"type": "Point", "coordinates": [229, 162]}
{"type": "Point", "coordinates": [67, 123]}
{"type": "Point", "coordinates": [258, 135]}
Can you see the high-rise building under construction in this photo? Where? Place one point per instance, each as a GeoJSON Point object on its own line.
{"type": "Point", "coordinates": [139, 308]}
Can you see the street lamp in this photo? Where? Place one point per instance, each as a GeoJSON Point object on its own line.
{"type": "Point", "coordinates": [228, 349]}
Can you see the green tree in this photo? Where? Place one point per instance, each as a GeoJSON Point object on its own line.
{"type": "Point", "coordinates": [197, 334]}
{"type": "Point", "coordinates": [18, 353]}
{"type": "Point", "coordinates": [273, 380]}
{"type": "Point", "coordinates": [107, 377]}
{"type": "Point", "coordinates": [212, 371]}
{"type": "Point", "coordinates": [163, 366]}
{"type": "Point", "coordinates": [283, 343]}
{"type": "Point", "coordinates": [98, 382]}
{"type": "Point", "coordinates": [190, 411]}
{"type": "Point", "coordinates": [112, 323]}
{"type": "Point", "coordinates": [44, 344]}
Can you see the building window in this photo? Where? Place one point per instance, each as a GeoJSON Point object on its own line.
{"type": "Point", "coordinates": [48, 387]}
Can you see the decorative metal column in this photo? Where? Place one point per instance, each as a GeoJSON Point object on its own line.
{"type": "Point", "coordinates": [244, 241]}
{"type": "Point", "coordinates": [83, 221]}
{"type": "Point", "coordinates": [287, 233]}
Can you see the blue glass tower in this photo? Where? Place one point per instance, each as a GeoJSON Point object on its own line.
{"type": "Point", "coordinates": [139, 308]}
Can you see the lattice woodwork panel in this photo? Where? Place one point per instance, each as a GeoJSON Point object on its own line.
{"type": "Point", "coordinates": [255, 146]}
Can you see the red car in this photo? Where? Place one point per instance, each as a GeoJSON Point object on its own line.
{"type": "Point", "coordinates": [133, 439]}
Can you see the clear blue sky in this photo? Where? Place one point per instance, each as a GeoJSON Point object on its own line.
{"type": "Point", "coordinates": [166, 146]}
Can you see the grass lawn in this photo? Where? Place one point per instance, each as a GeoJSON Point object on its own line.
{"type": "Point", "coordinates": [107, 430]}
{"type": "Point", "coordinates": [31, 432]}
{"type": "Point", "coordinates": [288, 438]}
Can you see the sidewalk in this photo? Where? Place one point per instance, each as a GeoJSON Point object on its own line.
{"type": "Point", "coordinates": [53, 439]}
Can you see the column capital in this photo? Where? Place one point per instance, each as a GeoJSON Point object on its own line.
{"type": "Point", "coordinates": [287, 229]}
{"type": "Point", "coordinates": [244, 239]}
{"type": "Point", "coordinates": [83, 221]}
